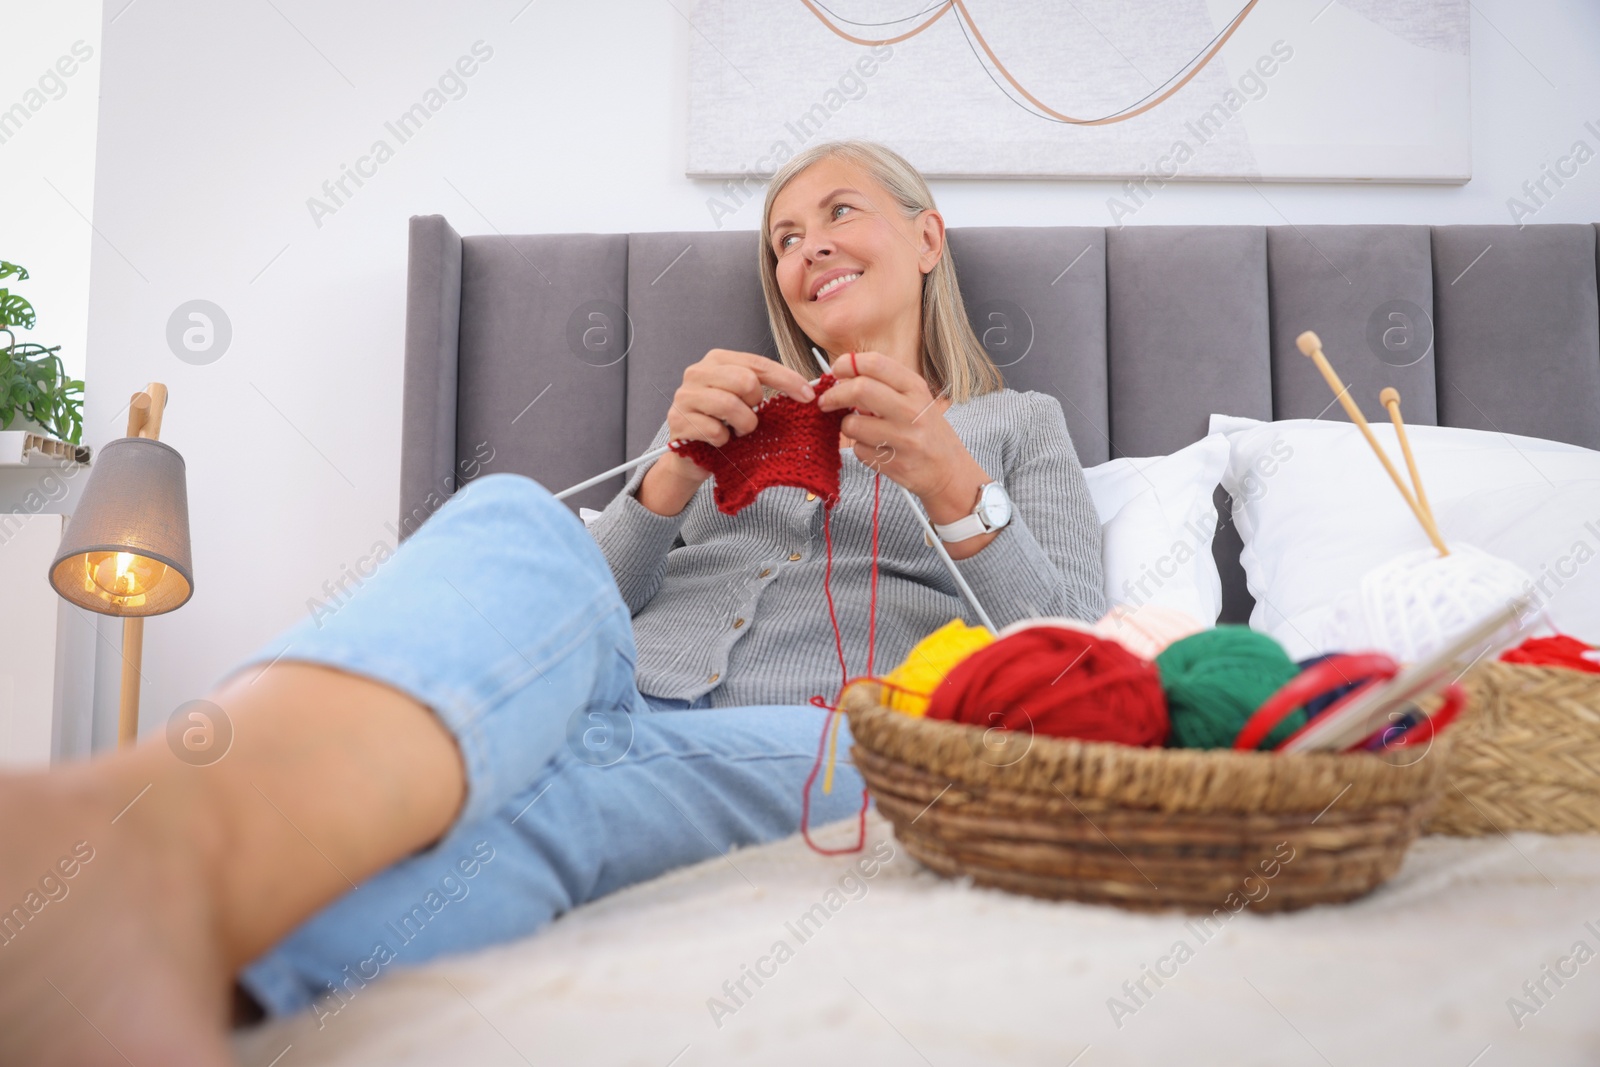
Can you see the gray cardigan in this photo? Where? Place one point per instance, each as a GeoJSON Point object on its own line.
{"type": "Point", "coordinates": [733, 605]}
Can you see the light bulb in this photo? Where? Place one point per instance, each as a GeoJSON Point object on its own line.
{"type": "Point", "coordinates": [124, 575]}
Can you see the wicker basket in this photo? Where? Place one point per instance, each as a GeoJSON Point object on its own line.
{"type": "Point", "coordinates": [1141, 828]}
{"type": "Point", "coordinates": [1526, 754]}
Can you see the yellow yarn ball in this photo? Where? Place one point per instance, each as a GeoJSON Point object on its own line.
{"type": "Point", "coordinates": [930, 660]}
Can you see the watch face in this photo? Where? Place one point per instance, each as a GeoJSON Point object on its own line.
{"type": "Point", "coordinates": [994, 506]}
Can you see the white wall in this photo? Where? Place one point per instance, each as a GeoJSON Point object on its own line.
{"type": "Point", "coordinates": [219, 121]}
{"type": "Point", "coordinates": [47, 162]}
{"type": "Point", "coordinates": [49, 101]}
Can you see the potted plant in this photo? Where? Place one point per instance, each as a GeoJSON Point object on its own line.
{"type": "Point", "coordinates": [35, 392]}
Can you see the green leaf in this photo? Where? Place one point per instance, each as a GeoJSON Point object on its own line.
{"type": "Point", "coordinates": [33, 380]}
{"type": "Point", "coordinates": [34, 385]}
{"type": "Point", "coordinates": [15, 311]}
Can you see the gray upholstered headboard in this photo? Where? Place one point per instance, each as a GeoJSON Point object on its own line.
{"type": "Point", "coordinates": [555, 354]}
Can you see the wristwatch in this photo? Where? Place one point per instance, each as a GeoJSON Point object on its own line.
{"type": "Point", "coordinates": [992, 512]}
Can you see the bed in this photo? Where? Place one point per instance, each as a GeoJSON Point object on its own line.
{"type": "Point", "coordinates": [554, 356]}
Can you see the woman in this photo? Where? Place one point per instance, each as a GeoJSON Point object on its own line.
{"type": "Point", "coordinates": [473, 741]}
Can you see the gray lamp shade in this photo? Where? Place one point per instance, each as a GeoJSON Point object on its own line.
{"type": "Point", "coordinates": [125, 550]}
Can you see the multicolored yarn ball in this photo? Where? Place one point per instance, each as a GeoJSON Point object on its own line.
{"type": "Point", "coordinates": [1059, 682]}
{"type": "Point", "coordinates": [929, 661]}
{"type": "Point", "coordinates": [1215, 680]}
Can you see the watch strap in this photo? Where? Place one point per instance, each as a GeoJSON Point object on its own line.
{"type": "Point", "coordinates": [963, 528]}
{"type": "Point", "coordinates": [968, 525]}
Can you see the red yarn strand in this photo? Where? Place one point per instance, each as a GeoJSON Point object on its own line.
{"type": "Point", "coordinates": [872, 603]}
{"type": "Point", "coordinates": [796, 444]}
{"type": "Point", "coordinates": [827, 591]}
{"type": "Point", "coordinates": [844, 673]}
{"type": "Point", "coordinates": [805, 798]}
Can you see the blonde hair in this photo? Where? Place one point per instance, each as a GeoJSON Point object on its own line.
{"type": "Point", "coordinates": [952, 357]}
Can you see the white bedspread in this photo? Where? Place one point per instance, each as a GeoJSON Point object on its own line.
{"type": "Point", "coordinates": [920, 970]}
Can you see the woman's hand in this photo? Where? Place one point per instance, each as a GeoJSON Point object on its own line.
{"type": "Point", "coordinates": [720, 392]}
{"type": "Point", "coordinates": [713, 403]}
{"type": "Point", "coordinates": [899, 429]}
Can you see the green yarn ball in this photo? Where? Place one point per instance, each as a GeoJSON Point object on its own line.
{"type": "Point", "coordinates": [1216, 679]}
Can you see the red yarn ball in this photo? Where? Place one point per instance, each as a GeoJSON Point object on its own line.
{"type": "Point", "coordinates": [1058, 682]}
{"type": "Point", "coordinates": [1561, 650]}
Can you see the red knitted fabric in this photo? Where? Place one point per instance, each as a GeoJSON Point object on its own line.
{"type": "Point", "coordinates": [793, 444]}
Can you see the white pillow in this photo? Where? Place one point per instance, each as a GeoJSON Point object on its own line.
{"type": "Point", "coordinates": [1317, 511]}
{"type": "Point", "coordinates": [1157, 522]}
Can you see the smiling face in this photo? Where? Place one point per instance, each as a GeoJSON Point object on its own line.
{"type": "Point", "coordinates": [849, 263]}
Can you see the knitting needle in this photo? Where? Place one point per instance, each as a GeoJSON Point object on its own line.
{"type": "Point", "coordinates": [1311, 346]}
{"type": "Point", "coordinates": [624, 468]}
{"type": "Point", "coordinates": [1390, 398]}
{"type": "Point", "coordinates": [932, 538]}
{"type": "Point", "coordinates": [614, 471]}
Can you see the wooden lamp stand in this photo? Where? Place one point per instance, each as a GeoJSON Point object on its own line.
{"type": "Point", "coordinates": [144, 420]}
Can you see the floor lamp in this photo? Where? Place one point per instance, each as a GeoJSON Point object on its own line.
{"type": "Point", "coordinates": [125, 551]}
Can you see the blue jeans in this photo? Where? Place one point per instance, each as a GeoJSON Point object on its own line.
{"type": "Point", "coordinates": [501, 615]}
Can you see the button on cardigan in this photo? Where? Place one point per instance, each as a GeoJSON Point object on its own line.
{"type": "Point", "coordinates": [732, 605]}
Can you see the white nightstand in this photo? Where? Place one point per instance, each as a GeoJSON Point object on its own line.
{"type": "Point", "coordinates": [47, 646]}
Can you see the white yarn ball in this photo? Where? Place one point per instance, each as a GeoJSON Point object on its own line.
{"type": "Point", "coordinates": [1417, 603]}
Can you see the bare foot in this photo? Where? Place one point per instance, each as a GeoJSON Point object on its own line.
{"type": "Point", "coordinates": [109, 952]}
{"type": "Point", "coordinates": [134, 886]}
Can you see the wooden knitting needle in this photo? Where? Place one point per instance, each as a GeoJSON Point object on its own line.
{"type": "Point", "coordinates": [1390, 398]}
{"type": "Point", "coordinates": [1311, 347]}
